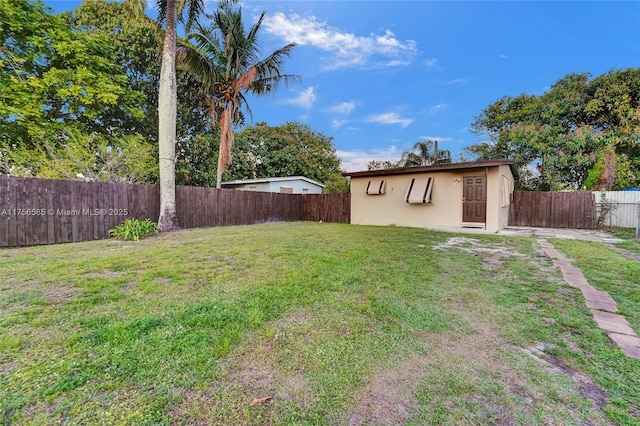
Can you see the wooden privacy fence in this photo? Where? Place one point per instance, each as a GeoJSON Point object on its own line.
{"type": "Point", "coordinates": [43, 211]}
{"type": "Point", "coordinates": [576, 210]}
{"type": "Point", "coordinates": [327, 207]}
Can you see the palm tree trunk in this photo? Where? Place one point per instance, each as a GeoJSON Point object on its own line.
{"type": "Point", "coordinates": [226, 142]}
{"type": "Point", "coordinates": [167, 112]}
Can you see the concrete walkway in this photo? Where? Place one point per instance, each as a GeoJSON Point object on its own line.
{"type": "Point", "coordinates": [572, 234]}
{"type": "Point", "coordinates": [602, 305]}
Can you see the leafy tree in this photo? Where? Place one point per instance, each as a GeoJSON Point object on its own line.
{"type": "Point", "coordinates": [425, 154]}
{"type": "Point", "coordinates": [582, 133]}
{"type": "Point", "coordinates": [197, 159]}
{"type": "Point", "coordinates": [337, 184]}
{"type": "Point", "coordinates": [137, 40]}
{"type": "Point", "coordinates": [225, 59]}
{"type": "Point", "coordinates": [292, 149]}
{"type": "Point", "coordinates": [52, 79]}
{"type": "Point", "coordinates": [262, 151]}
{"type": "Point", "coordinates": [94, 158]}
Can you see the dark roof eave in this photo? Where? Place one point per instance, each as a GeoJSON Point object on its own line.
{"type": "Point", "coordinates": [436, 168]}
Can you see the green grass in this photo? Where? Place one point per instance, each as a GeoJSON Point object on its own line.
{"type": "Point", "coordinates": [631, 243]}
{"type": "Point", "coordinates": [339, 324]}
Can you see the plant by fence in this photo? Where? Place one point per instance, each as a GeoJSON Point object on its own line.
{"type": "Point", "coordinates": [43, 211]}
{"type": "Point", "coordinates": [576, 210]}
{"type": "Point", "coordinates": [133, 229]}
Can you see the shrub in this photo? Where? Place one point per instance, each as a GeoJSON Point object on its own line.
{"type": "Point", "coordinates": [133, 229]}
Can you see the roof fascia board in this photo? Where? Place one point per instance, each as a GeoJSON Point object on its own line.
{"type": "Point", "coordinates": [436, 168]}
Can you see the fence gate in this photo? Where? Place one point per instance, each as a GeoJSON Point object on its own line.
{"type": "Point", "coordinates": [576, 209]}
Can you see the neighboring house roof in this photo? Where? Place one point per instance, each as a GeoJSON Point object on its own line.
{"type": "Point", "coordinates": [273, 179]}
{"type": "Point", "coordinates": [437, 167]}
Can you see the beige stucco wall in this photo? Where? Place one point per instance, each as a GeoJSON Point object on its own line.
{"type": "Point", "coordinates": [499, 189]}
{"type": "Point", "coordinates": [445, 209]}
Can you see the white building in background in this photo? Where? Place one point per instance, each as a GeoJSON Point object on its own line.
{"type": "Point", "coordinates": [286, 185]}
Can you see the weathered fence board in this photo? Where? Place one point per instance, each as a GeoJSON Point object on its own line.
{"type": "Point", "coordinates": [327, 207]}
{"type": "Point", "coordinates": [43, 211]}
{"type": "Point", "coordinates": [576, 210]}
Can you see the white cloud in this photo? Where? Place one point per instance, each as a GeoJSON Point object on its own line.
{"type": "Point", "coordinates": [344, 108]}
{"type": "Point", "coordinates": [356, 160]}
{"type": "Point", "coordinates": [348, 49]}
{"type": "Point", "coordinates": [433, 110]}
{"type": "Point", "coordinates": [390, 118]}
{"type": "Point", "coordinates": [502, 56]}
{"type": "Point", "coordinates": [305, 99]}
{"type": "Point", "coordinates": [456, 81]}
{"type": "Point", "coordinates": [336, 124]}
{"type": "Point", "coordinates": [436, 138]}
{"type": "Point", "coordinates": [398, 63]}
{"type": "Point", "coordinates": [432, 64]}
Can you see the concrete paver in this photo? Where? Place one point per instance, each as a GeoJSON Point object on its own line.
{"type": "Point", "coordinates": [623, 252]}
{"type": "Point", "coordinates": [630, 345]}
{"type": "Point", "coordinates": [631, 352]}
{"type": "Point", "coordinates": [612, 322]}
{"type": "Point", "coordinates": [602, 305]}
{"type": "Point", "coordinates": [624, 339]}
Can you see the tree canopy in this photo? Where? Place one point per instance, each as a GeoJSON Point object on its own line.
{"type": "Point", "coordinates": [262, 151]}
{"type": "Point", "coordinates": [136, 39]}
{"type": "Point", "coordinates": [113, 81]}
{"type": "Point", "coordinates": [582, 133]}
{"type": "Point", "coordinates": [292, 149]}
{"type": "Point", "coordinates": [424, 153]}
{"type": "Point", "coordinates": [53, 79]}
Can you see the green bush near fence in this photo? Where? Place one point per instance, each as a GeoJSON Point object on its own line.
{"type": "Point", "coordinates": [133, 229]}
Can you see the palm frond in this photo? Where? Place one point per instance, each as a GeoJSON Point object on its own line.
{"type": "Point", "coordinates": [137, 6]}
{"type": "Point", "coordinates": [189, 11]}
{"type": "Point", "coordinates": [161, 5]}
{"type": "Point", "coordinates": [190, 59]}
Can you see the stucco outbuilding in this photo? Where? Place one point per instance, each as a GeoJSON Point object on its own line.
{"type": "Point", "coordinates": [456, 195]}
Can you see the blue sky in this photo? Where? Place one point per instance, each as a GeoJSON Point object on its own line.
{"type": "Point", "coordinates": [378, 76]}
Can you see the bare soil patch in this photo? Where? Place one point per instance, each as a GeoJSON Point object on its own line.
{"type": "Point", "coordinates": [61, 293]}
{"type": "Point", "coordinates": [389, 398]}
{"type": "Point", "coordinates": [474, 246]}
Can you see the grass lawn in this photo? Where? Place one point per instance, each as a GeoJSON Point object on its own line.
{"type": "Point", "coordinates": [337, 324]}
{"type": "Point", "coordinates": [631, 243]}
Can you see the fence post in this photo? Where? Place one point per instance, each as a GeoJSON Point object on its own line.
{"type": "Point", "coordinates": [638, 223]}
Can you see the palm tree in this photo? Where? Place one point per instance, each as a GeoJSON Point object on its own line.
{"type": "Point", "coordinates": [425, 154]}
{"type": "Point", "coordinates": [167, 107]}
{"type": "Point", "coordinates": [225, 59]}
{"type": "Point", "coordinates": [169, 12]}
